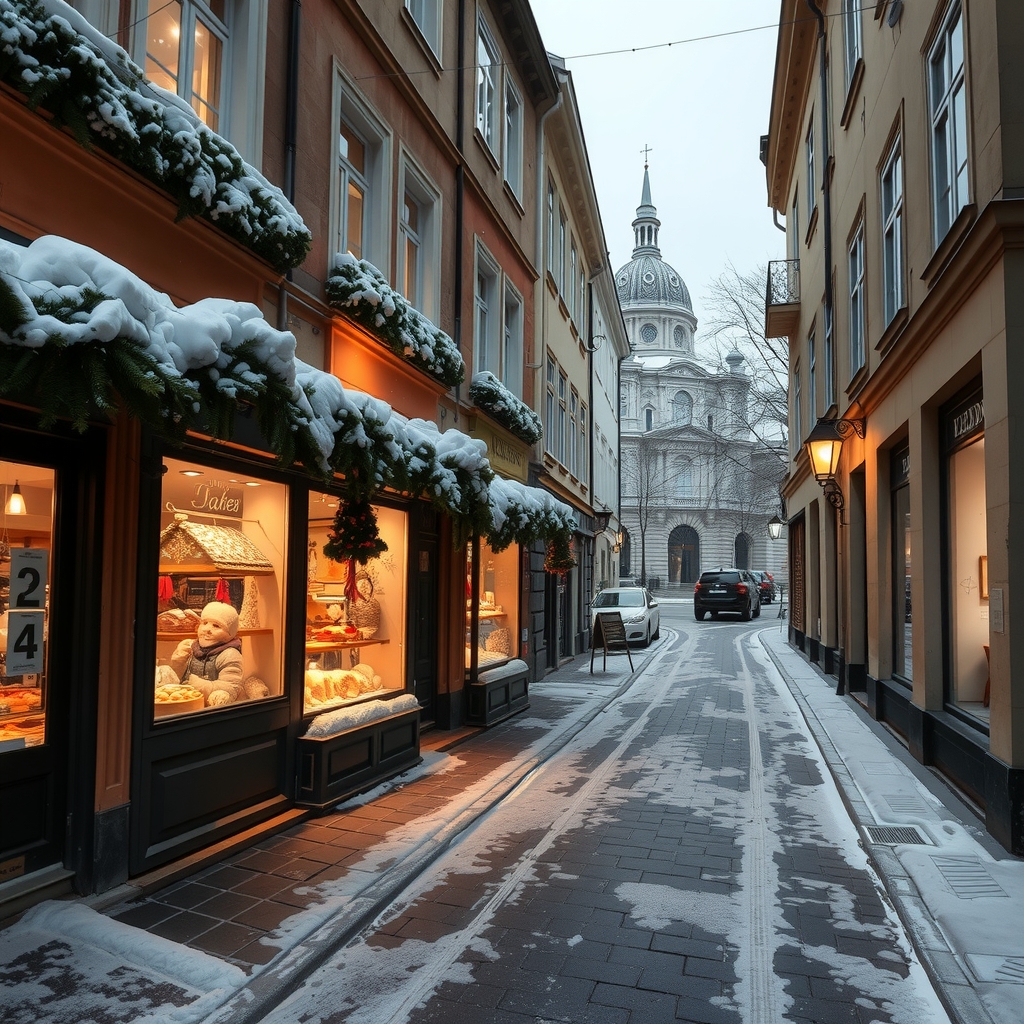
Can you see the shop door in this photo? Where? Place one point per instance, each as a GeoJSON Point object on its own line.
{"type": "Point", "coordinates": [796, 575]}
{"type": "Point", "coordinates": [423, 609]}
{"type": "Point", "coordinates": [47, 661]}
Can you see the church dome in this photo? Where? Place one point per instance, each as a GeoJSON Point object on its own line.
{"type": "Point", "coordinates": [647, 280]}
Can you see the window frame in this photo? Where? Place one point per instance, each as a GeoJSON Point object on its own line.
{"type": "Point", "coordinates": [487, 342]}
{"type": "Point", "coordinates": [950, 179]}
{"type": "Point", "coordinates": [857, 305]}
{"type": "Point", "coordinates": [550, 398]}
{"type": "Point", "coordinates": [427, 197]}
{"type": "Point", "coordinates": [812, 383]}
{"type": "Point", "coordinates": [891, 212]}
{"type": "Point", "coordinates": [512, 339]}
{"type": "Point", "coordinates": [809, 167]}
{"type": "Point", "coordinates": [427, 21]}
{"type": "Point", "coordinates": [488, 86]}
{"type": "Point", "coordinates": [563, 382]}
{"type": "Point", "coordinates": [853, 42]}
{"type": "Point", "coordinates": [512, 142]}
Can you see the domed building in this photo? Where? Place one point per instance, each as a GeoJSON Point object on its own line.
{"type": "Point", "coordinates": [698, 487]}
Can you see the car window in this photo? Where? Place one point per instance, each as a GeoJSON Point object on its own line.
{"type": "Point", "coordinates": [619, 599]}
{"type": "Point", "coordinates": [720, 577]}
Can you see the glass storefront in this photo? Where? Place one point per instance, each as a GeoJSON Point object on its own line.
{"type": "Point", "coordinates": [492, 603]}
{"type": "Point", "coordinates": [26, 540]}
{"type": "Point", "coordinates": [355, 643]}
{"type": "Point", "coordinates": [220, 610]}
{"type": "Point", "coordinates": [967, 553]}
{"type": "Point", "coordinates": [902, 610]}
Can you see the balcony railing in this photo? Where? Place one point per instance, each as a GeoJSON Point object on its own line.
{"type": "Point", "coordinates": [782, 298]}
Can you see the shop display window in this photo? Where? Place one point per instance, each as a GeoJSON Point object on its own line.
{"type": "Point", "coordinates": [26, 537]}
{"type": "Point", "coordinates": [355, 637]}
{"type": "Point", "coordinates": [968, 583]}
{"type": "Point", "coordinates": [220, 611]}
{"type": "Point", "coordinates": [492, 605]}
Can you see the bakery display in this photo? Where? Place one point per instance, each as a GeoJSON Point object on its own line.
{"type": "Point", "coordinates": [175, 699]}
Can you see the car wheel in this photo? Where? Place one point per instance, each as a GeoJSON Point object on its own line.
{"type": "Point", "coordinates": [647, 639]}
{"type": "Point", "coordinates": [656, 635]}
{"type": "Point", "coordinates": [757, 614]}
{"type": "Point", "coordinates": [699, 614]}
{"type": "Point", "coordinates": [747, 613]}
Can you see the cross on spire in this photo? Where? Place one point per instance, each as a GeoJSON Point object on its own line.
{"type": "Point", "coordinates": [645, 151]}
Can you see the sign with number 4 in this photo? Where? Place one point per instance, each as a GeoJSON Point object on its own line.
{"type": "Point", "coordinates": [24, 642]}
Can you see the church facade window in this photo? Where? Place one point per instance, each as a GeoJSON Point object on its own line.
{"type": "Point", "coordinates": [679, 336]}
{"type": "Point", "coordinates": [682, 408]}
{"type": "Point", "coordinates": [648, 334]}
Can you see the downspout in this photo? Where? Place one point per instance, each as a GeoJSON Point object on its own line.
{"type": "Point", "coordinates": [826, 194]}
{"type": "Point", "coordinates": [460, 187]}
{"type": "Point", "coordinates": [291, 119]}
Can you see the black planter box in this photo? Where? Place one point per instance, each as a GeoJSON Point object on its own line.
{"type": "Point", "coordinates": [332, 768]}
{"type": "Point", "coordinates": [499, 693]}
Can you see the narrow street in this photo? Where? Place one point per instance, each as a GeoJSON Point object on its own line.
{"type": "Point", "coordinates": [685, 857]}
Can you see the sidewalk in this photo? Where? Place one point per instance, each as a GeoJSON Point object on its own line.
{"type": "Point", "coordinates": [226, 943]}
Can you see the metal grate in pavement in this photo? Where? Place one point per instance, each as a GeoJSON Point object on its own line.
{"type": "Point", "coordinates": [907, 805]}
{"type": "Point", "coordinates": [1007, 969]}
{"type": "Point", "coordinates": [895, 835]}
{"type": "Point", "coordinates": [968, 878]}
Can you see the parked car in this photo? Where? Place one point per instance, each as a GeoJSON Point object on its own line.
{"type": "Point", "coordinates": [767, 584]}
{"type": "Point", "coordinates": [727, 590]}
{"type": "Point", "coordinates": [638, 609]}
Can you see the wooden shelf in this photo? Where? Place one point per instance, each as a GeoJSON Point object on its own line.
{"type": "Point", "coordinates": [344, 645]}
{"type": "Point", "coordinates": [489, 613]}
{"type": "Point", "coordinates": [191, 634]}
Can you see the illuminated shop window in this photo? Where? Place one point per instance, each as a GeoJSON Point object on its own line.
{"type": "Point", "coordinates": [355, 645]}
{"type": "Point", "coordinates": [220, 615]}
{"type": "Point", "coordinates": [26, 537]}
{"type": "Point", "coordinates": [494, 606]}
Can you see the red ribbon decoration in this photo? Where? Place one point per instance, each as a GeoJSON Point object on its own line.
{"type": "Point", "coordinates": [351, 590]}
{"type": "Point", "coordinates": [164, 588]}
{"type": "Point", "coordinates": [223, 593]}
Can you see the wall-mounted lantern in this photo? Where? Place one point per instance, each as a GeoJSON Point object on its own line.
{"type": "Point", "coordinates": [824, 446]}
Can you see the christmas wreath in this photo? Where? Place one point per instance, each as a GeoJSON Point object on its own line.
{"type": "Point", "coordinates": [561, 556]}
{"type": "Point", "coordinates": [354, 538]}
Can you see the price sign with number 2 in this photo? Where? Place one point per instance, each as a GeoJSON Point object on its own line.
{"type": "Point", "coordinates": [29, 567]}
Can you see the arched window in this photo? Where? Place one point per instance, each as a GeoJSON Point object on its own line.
{"type": "Point", "coordinates": [683, 555]}
{"type": "Point", "coordinates": [682, 408]}
{"type": "Point", "coordinates": [741, 558]}
{"type": "Point", "coordinates": [684, 479]}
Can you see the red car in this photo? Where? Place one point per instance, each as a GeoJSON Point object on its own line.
{"type": "Point", "coordinates": [766, 583]}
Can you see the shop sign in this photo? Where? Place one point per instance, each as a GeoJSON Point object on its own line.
{"type": "Point", "coordinates": [214, 497]}
{"type": "Point", "coordinates": [965, 421]}
{"type": "Point", "coordinates": [509, 459]}
{"type": "Point", "coordinates": [899, 467]}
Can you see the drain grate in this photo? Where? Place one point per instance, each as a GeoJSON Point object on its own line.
{"type": "Point", "coordinates": [1007, 969]}
{"type": "Point", "coordinates": [968, 878]}
{"type": "Point", "coordinates": [895, 835]}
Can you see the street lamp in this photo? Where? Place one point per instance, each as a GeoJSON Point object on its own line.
{"type": "Point", "coordinates": [602, 517]}
{"type": "Point", "coordinates": [775, 525]}
{"type": "Point", "coordinates": [824, 445]}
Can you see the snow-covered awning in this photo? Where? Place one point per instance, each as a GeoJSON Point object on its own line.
{"type": "Point", "coordinates": [80, 335]}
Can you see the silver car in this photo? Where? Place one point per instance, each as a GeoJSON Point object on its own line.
{"type": "Point", "coordinates": [639, 612]}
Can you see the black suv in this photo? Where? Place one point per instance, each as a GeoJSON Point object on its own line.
{"type": "Point", "coordinates": [727, 590]}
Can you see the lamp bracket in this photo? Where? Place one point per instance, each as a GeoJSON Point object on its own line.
{"type": "Point", "coordinates": [846, 427]}
{"type": "Point", "coordinates": [834, 496]}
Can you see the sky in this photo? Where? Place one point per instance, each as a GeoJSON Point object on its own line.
{"type": "Point", "coordinates": [701, 104]}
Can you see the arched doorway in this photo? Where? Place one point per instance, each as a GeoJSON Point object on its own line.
{"type": "Point", "coordinates": [683, 555]}
{"type": "Point", "coordinates": [741, 557]}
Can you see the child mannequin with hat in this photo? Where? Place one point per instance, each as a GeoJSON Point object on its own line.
{"type": "Point", "coordinates": [212, 663]}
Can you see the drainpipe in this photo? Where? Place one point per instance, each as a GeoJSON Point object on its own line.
{"type": "Point", "coordinates": [460, 186]}
{"type": "Point", "coordinates": [291, 118]}
{"type": "Point", "coordinates": [826, 194]}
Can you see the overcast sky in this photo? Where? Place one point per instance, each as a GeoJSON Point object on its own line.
{"type": "Point", "coordinates": [701, 106]}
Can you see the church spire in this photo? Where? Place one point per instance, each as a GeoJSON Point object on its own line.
{"type": "Point", "coordinates": [645, 227]}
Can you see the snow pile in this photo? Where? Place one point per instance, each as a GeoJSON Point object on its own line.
{"type": "Point", "coordinates": [521, 514]}
{"type": "Point", "coordinates": [334, 722]}
{"type": "Point", "coordinates": [362, 291]}
{"type": "Point", "coordinates": [494, 398]}
{"type": "Point", "coordinates": [80, 334]}
{"type": "Point", "coordinates": [51, 55]}
{"type": "Point", "coordinates": [510, 670]}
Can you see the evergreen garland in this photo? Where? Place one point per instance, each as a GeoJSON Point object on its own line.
{"type": "Point", "coordinates": [489, 394]}
{"type": "Point", "coordinates": [561, 557]}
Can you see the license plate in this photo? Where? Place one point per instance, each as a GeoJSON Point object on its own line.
{"type": "Point", "coordinates": [718, 590]}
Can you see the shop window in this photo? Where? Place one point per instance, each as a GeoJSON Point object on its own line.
{"type": "Point", "coordinates": [903, 626]}
{"type": "Point", "coordinates": [220, 615]}
{"type": "Point", "coordinates": [492, 606]}
{"type": "Point", "coordinates": [26, 538]}
{"type": "Point", "coordinates": [355, 643]}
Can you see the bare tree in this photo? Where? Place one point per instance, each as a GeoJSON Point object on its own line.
{"type": "Point", "coordinates": [644, 483]}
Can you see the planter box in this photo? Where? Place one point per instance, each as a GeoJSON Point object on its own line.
{"type": "Point", "coordinates": [499, 693]}
{"type": "Point", "coordinates": [332, 768]}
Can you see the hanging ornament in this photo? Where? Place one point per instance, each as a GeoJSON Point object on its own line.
{"type": "Point", "coordinates": [165, 588]}
{"type": "Point", "coordinates": [561, 557]}
{"type": "Point", "coordinates": [354, 538]}
{"type": "Point", "coordinates": [223, 593]}
{"type": "Point", "coordinates": [249, 616]}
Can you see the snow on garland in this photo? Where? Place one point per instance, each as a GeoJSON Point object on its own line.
{"type": "Point", "coordinates": [494, 398]}
{"type": "Point", "coordinates": [363, 293]}
{"type": "Point", "coordinates": [50, 54]}
{"type": "Point", "coordinates": [522, 515]}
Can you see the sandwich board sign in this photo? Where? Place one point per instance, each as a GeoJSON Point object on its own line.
{"type": "Point", "coordinates": [610, 634]}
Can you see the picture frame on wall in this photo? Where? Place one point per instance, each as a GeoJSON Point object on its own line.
{"type": "Point", "coordinates": [983, 576]}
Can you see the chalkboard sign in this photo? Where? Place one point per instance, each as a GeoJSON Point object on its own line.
{"type": "Point", "coordinates": [609, 632]}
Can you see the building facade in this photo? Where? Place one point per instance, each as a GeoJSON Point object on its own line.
{"type": "Point", "coordinates": [895, 156]}
{"type": "Point", "coordinates": [698, 487]}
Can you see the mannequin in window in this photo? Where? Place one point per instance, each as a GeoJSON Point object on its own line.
{"type": "Point", "coordinates": [212, 663]}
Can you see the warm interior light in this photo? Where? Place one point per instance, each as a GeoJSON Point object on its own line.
{"type": "Point", "coordinates": [252, 483]}
{"type": "Point", "coordinates": [16, 503]}
{"type": "Point", "coordinates": [824, 446]}
{"type": "Point", "coordinates": [775, 527]}
{"type": "Point", "coordinates": [190, 472]}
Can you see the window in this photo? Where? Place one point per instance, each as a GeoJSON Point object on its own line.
{"type": "Point", "coordinates": [948, 106]}
{"type": "Point", "coordinates": [427, 15]}
{"type": "Point", "coordinates": [851, 36]}
{"type": "Point", "coordinates": [830, 366]}
{"type": "Point", "coordinates": [794, 224]}
{"type": "Point", "coordinates": [492, 622]}
{"type": "Point", "coordinates": [560, 270]}
{"type": "Point", "coordinates": [361, 186]}
{"type": "Point", "coordinates": [574, 403]}
{"type": "Point", "coordinates": [419, 242]}
{"type": "Point", "coordinates": [856, 260]}
{"type": "Point", "coordinates": [512, 351]}
{"type": "Point", "coordinates": [798, 432]}
{"type": "Point", "coordinates": [812, 397]}
{"type": "Point", "coordinates": [562, 412]}
{"type": "Point", "coordinates": [219, 630]}
{"type": "Point", "coordinates": [892, 232]}
{"type": "Point", "coordinates": [551, 227]}
{"type": "Point", "coordinates": [682, 408]}
{"type": "Point", "coordinates": [648, 419]}
{"type": "Point", "coordinates": [513, 153]}
{"type": "Point", "coordinates": [185, 44]}
{"type": "Point", "coordinates": [809, 160]}
{"type": "Point", "coordinates": [684, 479]}
{"type": "Point", "coordinates": [584, 448]}
{"type": "Point", "coordinates": [549, 419]}
{"type": "Point", "coordinates": [573, 259]}
{"type": "Point", "coordinates": [486, 86]}
{"type": "Point", "coordinates": [581, 319]}
{"type": "Point", "coordinates": [487, 336]}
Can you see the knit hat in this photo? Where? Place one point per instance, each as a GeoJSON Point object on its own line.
{"type": "Point", "coordinates": [223, 614]}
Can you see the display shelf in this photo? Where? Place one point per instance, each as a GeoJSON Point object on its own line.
{"type": "Point", "coordinates": [491, 613]}
{"type": "Point", "coordinates": [190, 634]}
{"type": "Point", "coordinates": [344, 645]}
